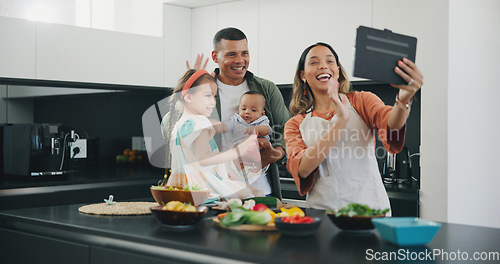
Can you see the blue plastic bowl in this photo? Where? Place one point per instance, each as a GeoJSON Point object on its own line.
{"type": "Point", "coordinates": [406, 231]}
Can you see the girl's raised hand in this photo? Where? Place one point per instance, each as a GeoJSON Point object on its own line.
{"type": "Point", "coordinates": [197, 64]}
{"type": "Point", "coordinates": [250, 148]}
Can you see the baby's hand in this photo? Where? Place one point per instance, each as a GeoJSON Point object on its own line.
{"type": "Point", "coordinates": [250, 130]}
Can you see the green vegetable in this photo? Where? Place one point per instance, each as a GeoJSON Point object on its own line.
{"type": "Point", "coordinates": [191, 187]}
{"type": "Point", "coordinates": [259, 218]}
{"type": "Point", "coordinates": [353, 209]}
{"type": "Point", "coordinates": [240, 215]}
{"type": "Point", "coordinates": [234, 218]}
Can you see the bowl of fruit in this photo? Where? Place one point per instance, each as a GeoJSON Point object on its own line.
{"type": "Point", "coordinates": [176, 213]}
{"type": "Point", "coordinates": [130, 157]}
{"type": "Point", "coordinates": [355, 217]}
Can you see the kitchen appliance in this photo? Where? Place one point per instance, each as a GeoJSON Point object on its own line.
{"type": "Point", "coordinates": [398, 168]}
{"type": "Point", "coordinates": [34, 149]}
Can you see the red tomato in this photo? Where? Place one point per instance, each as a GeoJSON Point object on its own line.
{"type": "Point", "coordinates": [260, 207]}
{"type": "Point", "coordinates": [295, 219]}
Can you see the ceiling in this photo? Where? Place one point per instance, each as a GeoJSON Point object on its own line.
{"type": "Point", "coordinates": [196, 3]}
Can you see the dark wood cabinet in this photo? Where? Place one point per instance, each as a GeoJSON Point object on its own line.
{"type": "Point", "coordinates": [18, 247]}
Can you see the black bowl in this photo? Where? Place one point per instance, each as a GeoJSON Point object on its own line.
{"type": "Point", "coordinates": [303, 229]}
{"type": "Point", "coordinates": [354, 223]}
{"type": "Point", "coordinates": [176, 218]}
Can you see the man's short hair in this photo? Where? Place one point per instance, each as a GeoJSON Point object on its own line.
{"type": "Point", "coordinates": [229, 33]}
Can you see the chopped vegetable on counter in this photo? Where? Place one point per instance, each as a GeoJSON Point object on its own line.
{"type": "Point", "coordinates": [296, 219]}
{"type": "Point", "coordinates": [292, 211]}
{"type": "Point", "coordinates": [260, 207]}
{"type": "Point", "coordinates": [249, 204]}
{"type": "Point", "coordinates": [240, 215]}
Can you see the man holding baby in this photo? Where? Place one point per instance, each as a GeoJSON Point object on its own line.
{"type": "Point", "coordinates": [233, 80]}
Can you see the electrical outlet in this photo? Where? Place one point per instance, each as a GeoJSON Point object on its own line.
{"type": "Point", "coordinates": [141, 143]}
{"type": "Point", "coordinates": [79, 149]}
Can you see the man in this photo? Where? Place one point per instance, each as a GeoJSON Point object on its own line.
{"type": "Point", "coordinates": [233, 80]}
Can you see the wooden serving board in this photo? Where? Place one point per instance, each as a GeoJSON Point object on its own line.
{"type": "Point", "coordinates": [269, 227]}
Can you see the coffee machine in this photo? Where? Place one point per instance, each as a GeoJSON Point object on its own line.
{"type": "Point", "coordinates": [397, 168]}
{"type": "Point", "coordinates": [33, 149]}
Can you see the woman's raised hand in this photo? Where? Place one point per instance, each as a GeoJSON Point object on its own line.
{"type": "Point", "coordinates": [340, 104]}
{"type": "Point", "coordinates": [412, 75]}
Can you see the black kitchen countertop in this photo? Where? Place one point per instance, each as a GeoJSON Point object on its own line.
{"type": "Point", "coordinates": [85, 185]}
{"type": "Point", "coordinates": [146, 235]}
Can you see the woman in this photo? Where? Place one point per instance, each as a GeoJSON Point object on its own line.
{"type": "Point", "coordinates": [330, 140]}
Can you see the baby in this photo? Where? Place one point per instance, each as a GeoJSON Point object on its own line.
{"type": "Point", "coordinates": [250, 117]}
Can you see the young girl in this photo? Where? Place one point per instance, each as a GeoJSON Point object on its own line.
{"type": "Point", "coordinates": [330, 140]}
{"type": "Point", "coordinates": [195, 158]}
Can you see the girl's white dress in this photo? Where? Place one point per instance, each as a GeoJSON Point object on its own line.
{"type": "Point", "coordinates": [187, 171]}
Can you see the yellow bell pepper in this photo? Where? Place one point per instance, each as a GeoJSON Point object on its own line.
{"type": "Point", "coordinates": [292, 211]}
{"type": "Point", "coordinates": [272, 214]}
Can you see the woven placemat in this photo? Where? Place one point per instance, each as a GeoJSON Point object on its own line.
{"type": "Point", "coordinates": [119, 208]}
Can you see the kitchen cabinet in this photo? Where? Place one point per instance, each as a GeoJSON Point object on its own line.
{"type": "Point", "coordinates": [206, 21]}
{"type": "Point", "coordinates": [21, 247]}
{"type": "Point", "coordinates": [202, 36]}
{"type": "Point", "coordinates": [102, 255]}
{"type": "Point", "coordinates": [279, 30]}
{"type": "Point", "coordinates": [51, 52]}
{"type": "Point", "coordinates": [286, 28]}
{"type": "Point", "coordinates": [68, 53]}
{"type": "Point", "coordinates": [245, 16]}
{"type": "Point", "coordinates": [400, 16]}
{"type": "Point", "coordinates": [17, 48]}
{"type": "Point", "coordinates": [177, 42]}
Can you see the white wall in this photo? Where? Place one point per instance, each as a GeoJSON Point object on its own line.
{"type": "Point", "coordinates": [473, 121]}
{"type": "Point", "coordinates": [433, 62]}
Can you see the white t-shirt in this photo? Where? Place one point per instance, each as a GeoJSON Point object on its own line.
{"type": "Point", "coordinates": [229, 97]}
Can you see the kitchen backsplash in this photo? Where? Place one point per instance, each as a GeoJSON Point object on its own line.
{"type": "Point", "coordinates": [114, 118]}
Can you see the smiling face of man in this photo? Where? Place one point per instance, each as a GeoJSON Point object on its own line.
{"type": "Point", "coordinates": [233, 59]}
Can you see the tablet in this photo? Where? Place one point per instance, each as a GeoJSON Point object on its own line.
{"type": "Point", "coordinates": [378, 51]}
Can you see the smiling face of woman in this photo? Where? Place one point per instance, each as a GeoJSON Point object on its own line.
{"type": "Point", "coordinates": [320, 68]}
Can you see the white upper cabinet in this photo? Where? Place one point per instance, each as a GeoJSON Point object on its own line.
{"type": "Point", "coordinates": [17, 48]}
{"type": "Point", "coordinates": [68, 53]}
{"type": "Point", "coordinates": [400, 16]}
{"type": "Point", "coordinates": [177, 38]}
{"type": "Point", "coordinates": [288, 27]}
{"type": "Point", "coordinates": [204, 27]}
{"type": "Point", "coordinates": [243, 15]}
